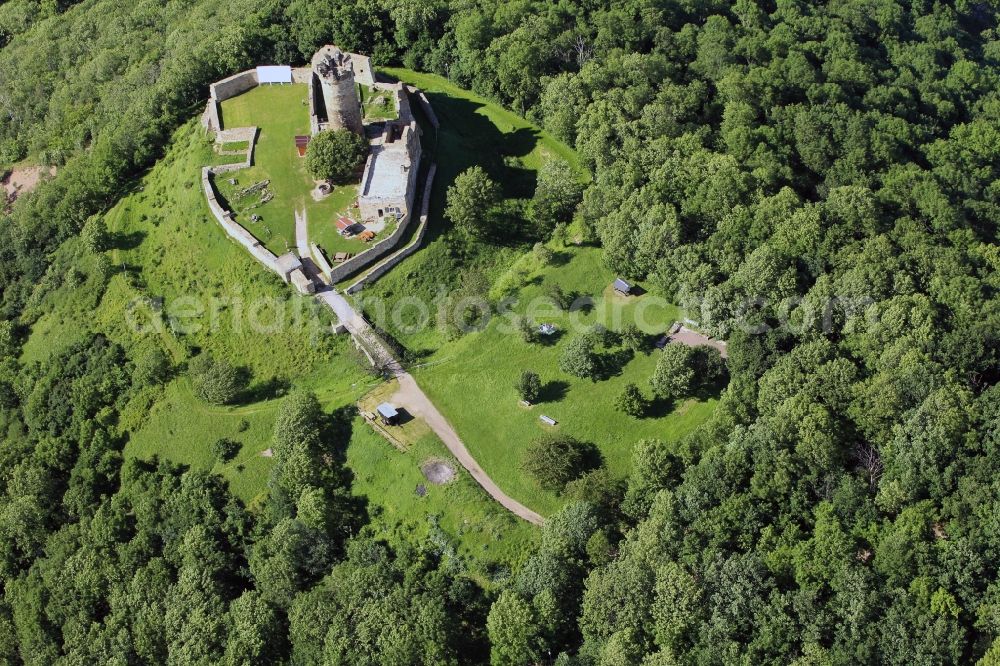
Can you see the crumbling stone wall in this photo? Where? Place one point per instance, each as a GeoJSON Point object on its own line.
{"type": "Point", "coordinates": [407, 251]}
{"type": "Point", "coordinates": [235, 230]}
{"type": "Point", "coordinates": [237, 84]}
{"type": "Point", "coordinates": [222, 90]}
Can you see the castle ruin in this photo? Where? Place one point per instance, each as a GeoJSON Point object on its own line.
{"type": "Point", "coordinates": [388, 182]}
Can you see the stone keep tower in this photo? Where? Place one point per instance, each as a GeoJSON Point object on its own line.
{"type": "Point", "coordinates": [335, 72]}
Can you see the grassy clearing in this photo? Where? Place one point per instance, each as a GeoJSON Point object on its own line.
{"type": "Point", "coordinates": [281, 113]}
{"type": "Point", "coordinates": [472, 381]}
{"type": "Point", "coordinates": [168, 247]}
{"type": "Point", "coordinates": [458, 514]}
{"type": "Point", "coordinates": [181, 428]}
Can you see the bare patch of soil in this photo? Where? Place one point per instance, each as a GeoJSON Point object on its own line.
{"type": "Point", "coordinates": [437, 471]}
{"type": "Point", "coordinates": [22, 180]}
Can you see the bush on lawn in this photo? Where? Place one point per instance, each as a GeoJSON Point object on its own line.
{"type": "Point", "coordinates": [225, 449]}
{"type": "Point", "coordinates": [529, 386]}
{"type": "Point", "coordinates": [555, 460]}
{"type": "Point", "coordinates": [215, 382]}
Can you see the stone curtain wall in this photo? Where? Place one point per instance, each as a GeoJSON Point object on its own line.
{"type": "Point", "coordinates": [236, 84]}
{"type": "Point", "coordinates": [313, 116]}
{"type": "Point", "coordinates": [425, 106]}
{"type": "Point", "coordinates": [407, 251]}
{"type": "Point", "coordinates": [235, 230]}
{"type": "Point", "coordinates": [319, 258]}
{"type": "Point", "coordinates": [224, 89]}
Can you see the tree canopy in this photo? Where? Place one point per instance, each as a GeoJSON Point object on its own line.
{"type": "Point", "coordinates": [336, 155]}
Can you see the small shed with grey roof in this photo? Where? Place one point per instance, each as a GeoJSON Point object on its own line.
{"type": "Point", "coordinates": [622, 287]}
{"type": "Point", "coordinates": [388, 413]}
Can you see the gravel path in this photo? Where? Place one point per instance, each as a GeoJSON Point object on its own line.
{"type": "Point", "coordinates": [409, 396]}
{"type": "Point", "coordinates": [416, 402]}
{"type": "Point", "coordinates": [302, 234]}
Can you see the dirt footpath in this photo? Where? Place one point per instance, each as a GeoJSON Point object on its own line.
{"type": "Point", "coordinates": [416, 403]}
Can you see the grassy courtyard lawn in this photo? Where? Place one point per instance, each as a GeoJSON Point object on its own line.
{"type": "Point", "coordinates": [377, 104]}
{"type": "Point", "coordinates": [323, 230]}
{"type": "Point", "coordinates": [281, 113]}
{"type": "Point", "coordinates": [472, 382]}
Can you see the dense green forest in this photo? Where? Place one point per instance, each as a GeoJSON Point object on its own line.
{"type": "Point", "coordinates": [818, 181]}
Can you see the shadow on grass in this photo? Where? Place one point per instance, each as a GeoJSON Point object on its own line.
{"type": "Point", "coordinates": [658, 407]}
{"type": "Point", "coordinates": [551, 339]}
{"type": "Point", "coordinates": [591, 457]}
{"type": "Point", "coordinates": [612, 363]}
{"type": "Point", "coordinates": [127, 240]}
{"type": "Point", "coordinates": [581, 303]}
{"type": "Point", "coordinates": [270, 389]}
{"type": "Point", "coordinates": [402, 416]}
{"type": "Point", "coordinates": [468, 138]}
{"type": "Point", "coordinates": [553, 391]}
{"type": "Point", "coordinates": [560, 258]}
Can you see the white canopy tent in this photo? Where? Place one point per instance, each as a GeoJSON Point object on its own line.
{"type": "Point", "coordinates": [274, 74]}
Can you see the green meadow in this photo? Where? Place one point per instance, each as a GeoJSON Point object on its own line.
{"type": "Point", "coordinates": [471, 379]}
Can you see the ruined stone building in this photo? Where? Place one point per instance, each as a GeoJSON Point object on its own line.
{"type": "Point", "coordinates": [389, 181]}
{"type": "Point", "coordinates": [335, 100]}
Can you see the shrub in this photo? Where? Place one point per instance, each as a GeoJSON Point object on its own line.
{"type": "Point", "coordinates": [472, 201]}
{"type": "Point", "coordinates": [556, 195]}
{"type": "Point", "coordinates": [151, 366]}
{"type": "Point", "coordinates": [554, 461]}
{"type": "Point", "coordinates": [215, 382]}
{"type": "Point", "coordinates": [299, 421]}
{"type": "Point", "coordinates": [225, 450]}
{"type": "Point", "coordinates": [579, 359]}
{"type": "Point", "coordinates": [710, 365]}
{"type": "Point", "coordinates": [674, 374]}
{"type": "Point", "coordinates": [632, 338]}
{"type": "Point", "coordinates": [8, 340]}
{"type": "Point", "coordinates": [630, 401]}
{"type": "Point", "coordinates": [529, 386]}
{"type": "Point", "coordinates": [542, 253]}
{"type": "Point", "coordinates": [95, 235]}
{"type": "Point", "coordinates": [558, 297]}
{"type": "Point", "coordinates": [527, 328]}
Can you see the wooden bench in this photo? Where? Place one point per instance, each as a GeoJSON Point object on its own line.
{"type": "Point", "coordinates": [547, 420]}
